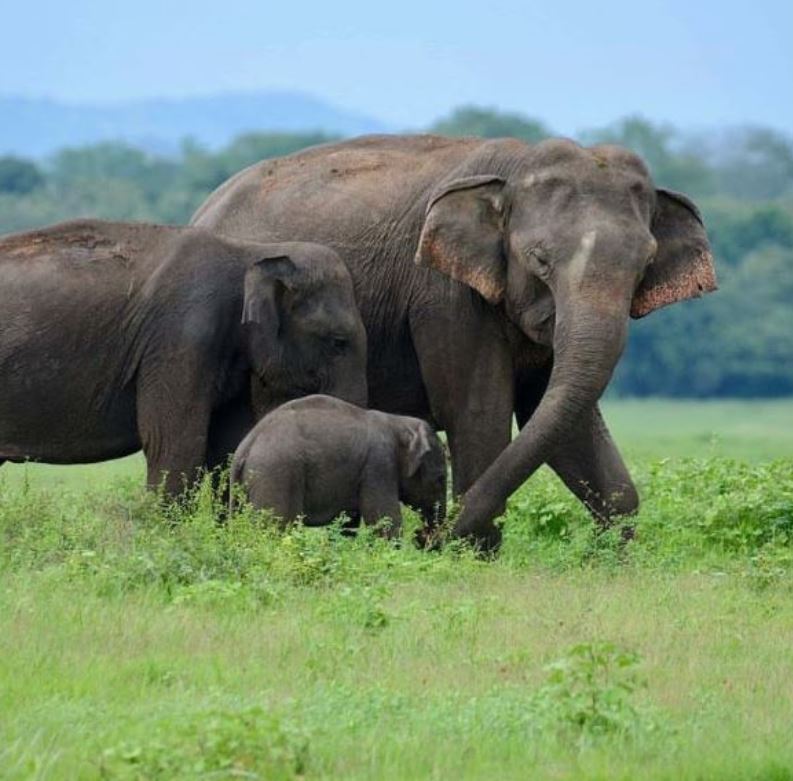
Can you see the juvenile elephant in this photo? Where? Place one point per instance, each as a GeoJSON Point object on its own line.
{"type": "Point", "coordinates": [318, 457]}
{"type": "Point", "coordinates": [117, 336]}
{"type": "Point", "coordinates": [544, 252]}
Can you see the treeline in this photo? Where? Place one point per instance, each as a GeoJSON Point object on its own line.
{"type": "Point", "coordinates": [738, 342]}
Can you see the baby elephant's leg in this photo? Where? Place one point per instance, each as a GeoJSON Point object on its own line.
{"type": "Point", "coordinates": [280, 491]}
{"type": "Point", "coordinates": [379, 500]}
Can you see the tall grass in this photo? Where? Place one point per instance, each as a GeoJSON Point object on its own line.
{"type": "Point", "coordinates": [140, 640]}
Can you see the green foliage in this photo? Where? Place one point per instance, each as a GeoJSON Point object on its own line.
{"type": "Point", "coordinates": [19, 176]}
{"type": "Point", "coordinates": [757, 164]}
{"type": "Point", "coordinates": [250, 743]}
{"type": "Point", "coordinates": [487, 123]}
{"type": "Point", "coordinates": [590, 692]}
{"type": "Point", "coordinates": [694, 512]}
{"type": "Point", "coordinates": [737, 230]}
{"type": "Point", "coordinates": [113, 180]}
{"type": "Point", "coordinates": [146, 640]}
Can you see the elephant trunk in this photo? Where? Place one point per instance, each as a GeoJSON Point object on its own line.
{"type": "Point", "coordinates": [588, 342]}
{"type": "Point", "coordinates": [348, 379]}
{"type": "Point", "coordinates": [352, 388]}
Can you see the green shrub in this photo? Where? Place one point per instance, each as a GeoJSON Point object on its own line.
{"type": "Point", "coordinates": [590, 692]}
{"type": "Point", "coordinates": [250, 743]}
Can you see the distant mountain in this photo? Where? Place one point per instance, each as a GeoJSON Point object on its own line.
{"type": "Point", "coordinates": [37, 127]}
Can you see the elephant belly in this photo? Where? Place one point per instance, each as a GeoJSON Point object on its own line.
{"type": "Point", "coordinates": [329, 492]}
{"type": "Point", "coordinates": [66, 429]}
{"type": "Point", "coordinates": [321, 513]}
{"type": "Point", "coordinates": [320, 517]}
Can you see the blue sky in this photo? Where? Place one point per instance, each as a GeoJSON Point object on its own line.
{"type": "Point", "coordinates": [572, 63]}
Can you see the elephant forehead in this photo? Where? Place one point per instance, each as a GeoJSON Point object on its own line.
{"type": "Point", "coordinates": [319, 277]}
{"type": "Point", "coordinates": [584, 179]}
{"type": "Point", "coordinates": [581, 256]}
{"type": "Point", "coordinates": [326, 307]}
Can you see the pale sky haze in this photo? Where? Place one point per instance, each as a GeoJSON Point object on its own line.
{"type": "Point", "coordinates": [572, 63]}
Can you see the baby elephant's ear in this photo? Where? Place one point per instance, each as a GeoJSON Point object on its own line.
{"type": "Point", "coordinates": [265, 281]}
{"type": "Point", "coordinates": [416, 445]}
{"type": "Point", "coordinates": [259, 303]}
{"type": "Point", "coordinates": [683, 266]}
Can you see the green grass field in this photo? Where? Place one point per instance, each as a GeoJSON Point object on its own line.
{"type": "Point", "coordinates": [144, 642]}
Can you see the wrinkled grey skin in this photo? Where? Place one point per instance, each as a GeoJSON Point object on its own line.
{"type": "Point", "coordinates": [317, 457]}
{"type": "Point", "coordinates": [544, 251]}
{"type": "Point", "coordinates": [116, 337]}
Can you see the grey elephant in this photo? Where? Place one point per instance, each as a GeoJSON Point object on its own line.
{"type": "Point", "coordinates": [119, 336]}
{"type": "Point", "coordinates": [544, 252]}
{"type": "Point", "coordinates": [318, 456]}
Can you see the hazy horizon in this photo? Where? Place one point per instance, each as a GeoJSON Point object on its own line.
{"type": "Point", "coordinates": [574, 66]}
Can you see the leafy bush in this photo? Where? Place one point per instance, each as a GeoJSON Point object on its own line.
{"type": "Point", "coordinates": [590, 692]}
{"type": "Point", "coordinates": [251, 743]}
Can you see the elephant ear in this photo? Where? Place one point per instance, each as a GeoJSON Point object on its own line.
{"type": "Point", "coordinates": [462, 235]}
{"type": "Point", "coordinates": [683, 266]}
{"type": "Point", "coordinates": [415, 443]}
{"type": "Point", "coordinates": [265, 281]}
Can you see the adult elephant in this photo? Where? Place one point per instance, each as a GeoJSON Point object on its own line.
{"type": "Point", "coordinates": [544, 252]}
{"type": "Point", "coordinates": [121, 336]}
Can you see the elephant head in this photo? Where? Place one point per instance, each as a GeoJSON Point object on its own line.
{"type": "Point", "coordinates": [571, 241]}
{"type": "Point", "coordinates": [422, 468]}
{"type": "Point", "coordinates": [302, 328]}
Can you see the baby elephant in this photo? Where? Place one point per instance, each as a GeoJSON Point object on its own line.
{"type": "Point", "coordinates": [319, 456]}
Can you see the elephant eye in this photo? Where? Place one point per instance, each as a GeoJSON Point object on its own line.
{"type": "Point", "coordinates": [338, 344]}
{"type": "Point", "coordinates": [540, 259]}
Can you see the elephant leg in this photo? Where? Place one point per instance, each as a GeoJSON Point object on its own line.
{"type": "Point", "coordinates": [593, 469]}
{"type": "Point", "coordinates": [282, 494]}
{"type": "Point", "coordinates": [173, 425]}
{"type": "Point", "coordinates": [350, 528]}
{"type": "Point", "coordinates": [466, 367]}
{"type": "Point", "coordinates": [227, 428]}
{"type": "Point", "coordinates": [380, 504]}
{"type": "Point", "coordinates": [588, 461]}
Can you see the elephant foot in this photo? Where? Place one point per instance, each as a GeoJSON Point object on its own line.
{"type": "Point", "coordinates": [624, 520]}
{"type": "Point", "coordinates": [628, 533]}
{"type": "Point", "coordinates": [621, 505]}
{"type": "Point", "coordinates": [475, 525]}
{"type": "Point", "coordinates": [486, 540]}
{"type": "Point", "coordinates": [488, 545]}
{"type": "Point", "coordinates": [430, 538]}
{"type": "Point", "coordinates": [351, 526]}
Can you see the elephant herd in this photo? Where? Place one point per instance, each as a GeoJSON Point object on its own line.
{"type": "Point", "coordinates": [460, 282]}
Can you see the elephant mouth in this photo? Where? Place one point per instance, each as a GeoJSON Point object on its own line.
{"type": "Point", "coordinates": [540, 331]}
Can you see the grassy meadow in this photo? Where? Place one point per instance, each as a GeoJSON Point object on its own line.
{"type": "Point", "coordinates": [139, 641]}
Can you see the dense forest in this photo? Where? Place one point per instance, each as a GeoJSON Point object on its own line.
{"type": "Point", "coordinates": [738, 342]}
